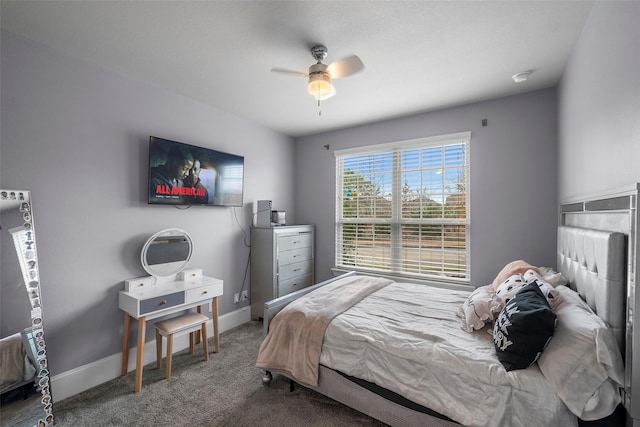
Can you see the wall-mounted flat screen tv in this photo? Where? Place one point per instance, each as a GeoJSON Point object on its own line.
{"type": "Point", "coordinates": [183, 174]}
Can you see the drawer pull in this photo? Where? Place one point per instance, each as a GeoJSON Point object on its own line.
{"type": "Point", "coordinates": [205, 292]}
{"type": "Point", "coordinates": [163, 302]}
{"type": "Point", "coordinates": [297, 269]}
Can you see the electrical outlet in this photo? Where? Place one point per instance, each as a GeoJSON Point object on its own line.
{"type": "Point", "coordinates": [245, 295]}
{"type": "Point", "coordinates": [236, 298]}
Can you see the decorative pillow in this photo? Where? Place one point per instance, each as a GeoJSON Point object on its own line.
{"type": "Point", "coordinates": [523, 328]}
{"type": "Point", "coordinates": [514, 267]}
{"type": "Point", "coordinates": [480, 307]}
{"type": "Point", "coordinates": [583, 360]}
{"type": "Point", "coordinates": [552, 295]}
{"type": "Point", "coordinates": [509, 288]}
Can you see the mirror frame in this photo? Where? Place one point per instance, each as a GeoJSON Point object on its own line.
{"type": "Point", "coordinates": [166, 269]}
{"type": "Point", "coordinates": [24, 240]}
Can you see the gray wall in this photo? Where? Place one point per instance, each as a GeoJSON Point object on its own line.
{"type": "Point", "coordinates": [76, 135]}
{"type": "Point", "coordinates": [513, 178]}
{"type": "Point", "coordinates": [599, 104]}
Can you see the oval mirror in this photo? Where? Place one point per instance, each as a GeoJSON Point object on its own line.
{"type": "Point", "coordinates": [167, 252]}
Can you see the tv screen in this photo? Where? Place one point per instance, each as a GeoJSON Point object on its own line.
{"type": "Point", "coordinates": [183, 174]}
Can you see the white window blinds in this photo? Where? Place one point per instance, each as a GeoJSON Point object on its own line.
{"type": "Point", "coordinates": [403, 208]}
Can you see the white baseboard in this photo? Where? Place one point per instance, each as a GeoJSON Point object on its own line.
{"type": "Point", "coordinates": [77, 380]}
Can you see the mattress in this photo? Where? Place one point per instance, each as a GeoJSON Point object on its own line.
{"type": "Point", "coordinates": [408, 339]}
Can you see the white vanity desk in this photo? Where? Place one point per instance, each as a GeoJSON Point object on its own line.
{"type": "Point", "coordinates": [152, 297]}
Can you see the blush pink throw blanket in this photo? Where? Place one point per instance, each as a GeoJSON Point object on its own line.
{"type": "Point", "coordinates": [294, 341]}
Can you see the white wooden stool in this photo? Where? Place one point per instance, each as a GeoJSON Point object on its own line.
{"type": "Point", "coordinates": [191, 323]}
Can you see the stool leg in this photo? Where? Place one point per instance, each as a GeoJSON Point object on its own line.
{"type": "Point", "coordinates": [205, 344]}
{"type": "Point", "coordinates": [158, 349]}
{"type": "Point", "coordinates": [191, 344]}
{"type": "Point", "coordinates": [199, 310]}
{"type": "Point", "coordinates": [167, 372]}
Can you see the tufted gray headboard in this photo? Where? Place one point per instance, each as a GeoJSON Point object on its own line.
{"type": "Point", "coordinates": [615, 211]}
{"type": "Point", "coordinates": [594, 264]}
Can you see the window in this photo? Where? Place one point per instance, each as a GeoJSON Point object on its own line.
{"type": "Point", "coordinates": [403, 208]}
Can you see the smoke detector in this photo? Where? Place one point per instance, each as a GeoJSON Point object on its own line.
{"type": "Point", "coordinates": [521, 77]}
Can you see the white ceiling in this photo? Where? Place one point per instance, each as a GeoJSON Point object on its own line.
{"type": "Point", "coordinates": [419, 55]}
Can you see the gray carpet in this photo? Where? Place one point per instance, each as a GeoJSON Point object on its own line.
{"type": "Point", "coordinates": [226, 391]}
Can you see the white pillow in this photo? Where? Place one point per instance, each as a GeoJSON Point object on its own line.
{"type": "Point", "coordinates": [480, 307]}
{"type": "Point", "coordinates": [552, 277]}
{"type": "Point", "coordinates": [582, 362]}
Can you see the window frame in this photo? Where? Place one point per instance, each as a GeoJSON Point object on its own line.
{"type": "Point", "coordinates": [396, 221]}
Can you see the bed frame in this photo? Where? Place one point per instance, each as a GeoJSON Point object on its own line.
{"type": "Point", "coordinates": [596, 252]}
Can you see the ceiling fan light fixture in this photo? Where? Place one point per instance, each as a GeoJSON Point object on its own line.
{"type": "Point", "coordinates": [320, 86]}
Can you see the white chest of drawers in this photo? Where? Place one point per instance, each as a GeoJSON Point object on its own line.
{"type": "Point", "coordinates": [282, 261]}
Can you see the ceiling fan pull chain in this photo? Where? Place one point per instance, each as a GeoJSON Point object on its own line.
{"type": "Point", "coordinates": [319, 108]}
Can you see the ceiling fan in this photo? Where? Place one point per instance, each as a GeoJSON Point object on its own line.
{"type": "Point", "coordinates": [320, 74]}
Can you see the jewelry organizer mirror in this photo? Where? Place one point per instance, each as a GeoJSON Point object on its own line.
{"type": "Point", "coordinates": [167, 252]}
{"type": "Point", "coordinates": [24, 375]}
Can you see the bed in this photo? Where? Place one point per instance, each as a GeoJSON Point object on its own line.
{"type": "Point", "coordinates": [380, 348]}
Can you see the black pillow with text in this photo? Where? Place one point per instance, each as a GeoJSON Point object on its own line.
{"type": "Point", "coordinates": [523, 328]}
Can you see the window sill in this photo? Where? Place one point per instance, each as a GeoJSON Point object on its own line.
{"type": "Point", "coordinates": [459, 286]}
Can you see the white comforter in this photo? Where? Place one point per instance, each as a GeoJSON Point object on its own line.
{"type": "Point", "coordinates": [394, 339]}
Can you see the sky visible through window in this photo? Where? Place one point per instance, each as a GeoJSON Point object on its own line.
{"type": "Point", "coordinates": [435, 172]}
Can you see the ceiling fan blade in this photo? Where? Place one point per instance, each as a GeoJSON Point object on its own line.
{"type": "Point", "coordinates": [292, 72]}
{"type": "Point", "coordinates": [345, 67]}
